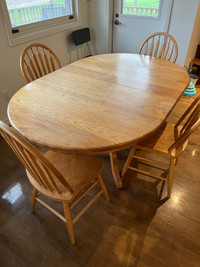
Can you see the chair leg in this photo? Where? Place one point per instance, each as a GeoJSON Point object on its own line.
{"type": "Point", "coordinates": [69, 222]}
{"type": "Point", "coordinates": [35, 194]}
{"type": "Point", "coordinates": [171, 173]}
{"type": "Point", "coordinates": [103, 188]}
{"type": "Point", "coordinates": [128, 162]}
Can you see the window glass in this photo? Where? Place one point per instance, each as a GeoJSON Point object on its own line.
{"type": "Point", "coordinates": [141, 7]}
{"type": "Point", "coordinates": [23, 12]}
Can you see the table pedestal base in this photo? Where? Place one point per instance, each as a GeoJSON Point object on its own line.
{"type": "Point", "coordinates": [115, 169]}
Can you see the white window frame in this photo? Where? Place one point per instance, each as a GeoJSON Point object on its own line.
{"type": "Point", "coordinates": [141, 16]}
{"type": "Point", "coordinates": [39, 29]}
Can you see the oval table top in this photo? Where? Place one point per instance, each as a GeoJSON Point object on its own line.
{"type": "Point", "coordinates": [99, 104]}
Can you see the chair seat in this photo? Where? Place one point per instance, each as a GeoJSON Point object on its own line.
{"type": "Point", "coordinates": [162, 140]}
{"type": "Point", "coordinates": [78, 170]}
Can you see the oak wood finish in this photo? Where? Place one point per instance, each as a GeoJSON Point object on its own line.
{"type": "Point", "coordinates": [161, 45]}
{"type": "Point", "coordinates": [137, 228]}
{"type": "Point", "coordinates": [99, 104]}
{"type": "Point", "coordinates": [115, 169]}
{"type": "Point", "coordinates": [170, 140]}
{"type": "Point", "coordinates": [60, 177]}
{"type": "Point", "coordinates": [38, 60]}
{"type": "Point", "coordinates": [196, 61]}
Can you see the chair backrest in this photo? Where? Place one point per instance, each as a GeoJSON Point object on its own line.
{"type": "Point", "coordinates": [160, 45]}
{"type": "Point", "coordinates": [80, 37]}
{"type": "Point", "coordinates": [45, 175]}
{"type": "Point", "coordinates": [38, 60]}
{"type": "Point", "coordinates": [192, 122]}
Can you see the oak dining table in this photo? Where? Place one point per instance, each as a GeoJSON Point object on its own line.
{"type": "Point", "coordinates": [100, 104]}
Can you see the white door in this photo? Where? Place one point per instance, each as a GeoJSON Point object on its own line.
{"type": "Point", "coordinates": [134, 21]}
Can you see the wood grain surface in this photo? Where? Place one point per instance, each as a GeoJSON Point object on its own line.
{"type": "Point", "coordinates": [98, 104]}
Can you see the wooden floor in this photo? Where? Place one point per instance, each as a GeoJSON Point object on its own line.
{"type": "Point", "coordinates": [139, 227]}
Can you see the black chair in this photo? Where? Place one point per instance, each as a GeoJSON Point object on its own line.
{"type": "Point", "coordinates": [81, 37]}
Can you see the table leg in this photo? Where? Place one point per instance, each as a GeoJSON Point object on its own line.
{"type": "Point", "coordinates": [115, 169]}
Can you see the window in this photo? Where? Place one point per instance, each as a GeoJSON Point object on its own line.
{"type": "Point", "coordinates": [23, 12]}
{"type": "Point", "coordinates": [33, 17]}
{"type": "Point", "coordinates": [148, 8]}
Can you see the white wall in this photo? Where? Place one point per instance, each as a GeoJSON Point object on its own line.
{"type": "Point", "coordinates": [181, 25]}
{"type": "Point", "coordinates": [11, 78]}
{"type": "Point", "coordinates": [100, 21]}
{"type": "Point", "coordinates": [194, 41]}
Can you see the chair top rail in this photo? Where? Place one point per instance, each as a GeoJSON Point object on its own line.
{"type": "Point", "coordinates": [165, 49]}
{"type": "Point", "coordinates": [38, 60]}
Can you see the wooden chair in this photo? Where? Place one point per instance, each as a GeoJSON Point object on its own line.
{"type": "Point", "coordinates": [160, 45]}
{"type": "Point", "coordinates": [60, 177]}
{"type": "Point", "coordinates": [170, 140]}
{"type": "Point", "coordinates": [38, 60]}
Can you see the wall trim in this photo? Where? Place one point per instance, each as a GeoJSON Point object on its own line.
{"type": "Point", "coordinates": [40, 29]}
{"type": "Point", "coordinates": [168, 16]}
{"type": "Point", "coordinates": [109, 26]}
